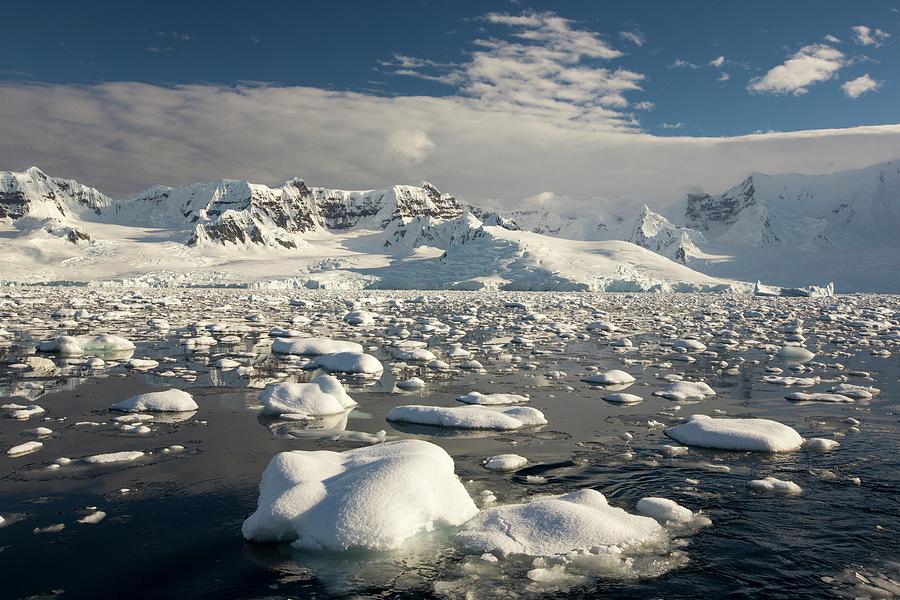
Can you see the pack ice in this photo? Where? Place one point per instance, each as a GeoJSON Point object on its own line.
{"type": "Point", "coordinates": [372, 498]}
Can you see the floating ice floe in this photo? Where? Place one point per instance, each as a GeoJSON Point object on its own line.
{"type": "Point", "coordinates": [25, 448]}
{"type": "Point", "coordinates": [411, 384]}
{"type": "Point", "coordinates": [356, 363]}
{"type": "Point", "coordinates": [753, 435]}
{"type": "Point", "coordinates": [795, 354]}
{"type": "Point", "coordinates": [173, 400]}
{"type": "Point", "coordinates": [313, 346]}
{"type": "Point", "coordinates": [821, 444]}
{"type": "Point", "coordinates": [772, 484]}
{"type": "Point", "coordinates": [86, 344]}
{"type": "Point", "coordinates": [372, 498]}
{"type": "Point", "coordinates": [818, 397]}
{"type": "Point", "coordinates": [492, 399]}
{"type": "Point", "coordinates": [664, 510]}
{"type": "Point", "coordinates": [554, 525]}
{"type": "Point", "coordinates": [505, 462]}
{"type": "Point", "coordinates": [681, 391]}
{"type": "Point", "coordinates": [469, 417]}
{"type": "Point", "coordinates": [613, 377]}
{"type": "Point", "coordinates": [322, 396]}
{"type": "Point", "coordinates": [113, 457]}
{"type": "Point", "coordinates": [622, 398]}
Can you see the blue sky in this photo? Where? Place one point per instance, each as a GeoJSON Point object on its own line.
{"type": "Point", "coordinates": [341, 45]}
{"type": "Point", "coordinates": [683, 70]}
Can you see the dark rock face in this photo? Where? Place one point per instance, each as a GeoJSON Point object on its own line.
{"type": "Point", "coordinates": [13, 205]}
{"type": "Point", "coordinates": [703, 210]}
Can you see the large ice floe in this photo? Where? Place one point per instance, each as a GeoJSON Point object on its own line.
{"type": "Point", "coordinates": [753, 435]}
{"type": "Point", "coordinates": [469, 417]}
{"type": "Point", "coordinates": [373, 498]}
{"type": "Point", "coordinates": [322, 396]}
{"type": "Point", "coordinates": [313, 346]}
{"type": "Point", "coordinates": [356, 363]}
{"type": "Point", "coordinates": [553, 525]}
{"type": "Point", "coordinates": [173, 400]}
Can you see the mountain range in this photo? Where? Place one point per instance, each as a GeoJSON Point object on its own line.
{"type": "Point", "coordinates": [782, 229]}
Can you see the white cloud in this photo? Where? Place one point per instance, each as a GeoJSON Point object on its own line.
{"type": "Point", "coordinates": [409, 147]}
{"type": "Point", "coordinates": [122, 137]}
{"type": "Point", "coordinates": [644, 105]}
{"type": "Point", "coordinates": [717, 62]}
{"type": "Point", "coordinates": [832, 39]}
{"type": "Point", "coordinates": [723, 77]}
{"type": "Point", "coordinates": [859, 86]}
{"type": "Point", "coordinates": [635, 37]}
{"type": "Point", "coordinates": [868, 36]}
{"type": "Point", "coordinates": [680, 63]}
{"type": "Point", "coordinates": [545, 65]}
{"type": "Point", "coordinates": [810, 65]}
{"type": "Point", "coordinates": [677, 125]}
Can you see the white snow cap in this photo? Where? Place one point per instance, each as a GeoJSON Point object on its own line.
{"type": "Point", "coordinates": [557, 525]}
{"type": "Point", "coordinates": [492, 399]}
{"type": "Point", "coordinates": [373, 498]}
{"type": "Point", "coordinates": [350, 362]}
{"type": "Point", "coordinates": [323, 395]}
{"type": "Point", "coordinates": [166, 401]}
{"type": "Point", "coordinates": [754, 435]}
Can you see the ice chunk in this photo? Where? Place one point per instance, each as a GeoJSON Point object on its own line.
{"type": "Point", "coordinates": [173, 400]}
{"type": "Point", "coordinates": [113, 457]}
{"type": "Point", "coordinates": [663, 510]}
{"type": "Point", "coordinates": [323, 395]}
{"type": "Point", "coordinates": [492, 399]}
{"type": "Point", "coordinates": [469, 417]}
{"type": "Point", "coordinates": [753, 435]}
{"type": "Point", "coordinates": [23, 449]}
{"type": "Point", "coordinates": [556, 525]}
{"type": "Point", "coordinates": [621, 398]}
{"type": "Point", "coordinates": [771, 484]}
{"type": "Point", "coordinates": [821, 444]}
{"type": "Point", "coordinates": [313, 346]}
{"type": "Point", "coordinates": [795, 354]}
{"type": "Point", "coordinates": [505, 462]}
{"type": "Point", "coordinates": [685, 390]}
{"type": "Point", "coordinates": [373, 498]}
{"type": "Point", "coordinates": [613, 377]}
{"type": "Point", "coordinates": [350, 362]}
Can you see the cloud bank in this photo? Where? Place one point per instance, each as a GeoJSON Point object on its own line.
{"type": "Point", "coordinates": [122, 137]}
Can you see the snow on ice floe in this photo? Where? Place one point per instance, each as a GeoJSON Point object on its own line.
{"type": "Point", "coordinates": [173, 400]}
{"type": "Point", "coordinates": [373, 498]}
{"type": "Point", "coordinates": [797, 354]}
{"type": "Point", "coordinates": [113, 457]}
{"type": "Point", "coordinates": [313, 346]}
{"type": "Point", "coordinates": [664, 510]}
{"type": "Point", "coordinates": [753, 435]}
{"type": "Point", "coordinates": [505, 462]}
{"type": "Point", "coordinates": [469, 417]}
{"type": "Point", "coordinates": [622, 398]}
{"type": "Point", "coordinates": [497, 399]}
{"type": "Point", "coordinates": [86, 344]}
{"type": "Point", "coordinates": [681, 391]}
{"type": "Point", "coordinates": [24, 448]}
{"type": "Point", "coordinates": [555, 525]}
{"type": "Point", "coordinates": [821, 444]}
{"type": "Point", "coordinates": [818, 397]}
{"type": "Point", "coordinates": [772, 484]}
{"type": "Point", "coordinates": [322, 396]}
{"type": "Point", "coordinates": [613, 377]}
{"type": "Point", "coordinates": [357, 363]}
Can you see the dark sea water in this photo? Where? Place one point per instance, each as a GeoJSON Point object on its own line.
{"type": "Point", "coordinates": [173, 520]}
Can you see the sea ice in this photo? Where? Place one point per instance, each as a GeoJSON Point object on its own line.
{"type": "Point", "coordinates": [323, 395]}
{"type": "Point", "coordinates": [553, 525]}
{"type": "Point", "coordinates": [681, 391]}
{"type": "Point", "coordinates": [753, 435]}
{"type": "Point", "coordinates": [469, 417]}
{"type": "Point", "coordinates": [505, 462]}
{"type": "Point", "coordinates": [613, 377]}
{"type": "Point", "coordinates": [492, 399]}
{"type": "Point", "coordinates": [350, 362]}
{"type": "Point", "coordinates": [313, 346]}
{"type": "Point", "coordinates": [373, 498]}
{"type": "Point", "coordinates": [173, 400]}
{"type": "Point", "coordinates": [771, 484]}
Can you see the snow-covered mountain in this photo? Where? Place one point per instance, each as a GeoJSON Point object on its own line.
{"type": "Point", "coordinates": [644, 227]}
{"type": "Point", "coordinates": [231, 232]}
{"type": "Point", "coordinates": [788, 230]}
{"type": "Point", "coordinates": [841, 226]}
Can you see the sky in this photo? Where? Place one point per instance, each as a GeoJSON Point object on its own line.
{"type": "Point", "coordinates": [512, 104]}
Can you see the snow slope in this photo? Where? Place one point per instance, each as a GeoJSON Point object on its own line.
{"type": "Point", "coordinates": [817, 228]}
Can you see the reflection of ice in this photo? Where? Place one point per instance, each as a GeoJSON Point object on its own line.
{"type": "Point", "coordinates": [331, 427]}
